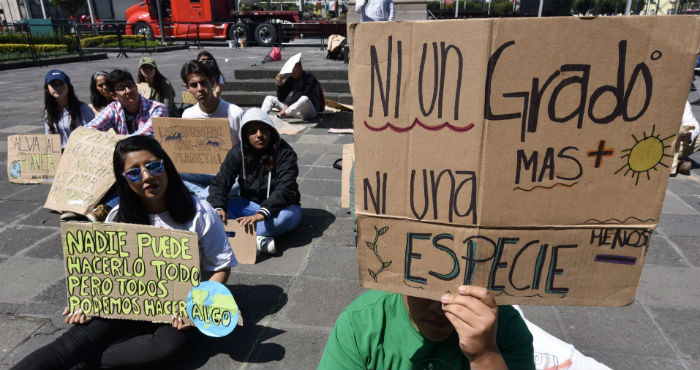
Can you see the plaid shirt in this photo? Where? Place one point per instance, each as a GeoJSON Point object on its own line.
{"type": "Point", "coordinates": [112, 116]}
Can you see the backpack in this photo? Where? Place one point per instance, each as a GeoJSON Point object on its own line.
{"type": "Point", "coordinates": [321, 98]}
{"type": "Point", "coordinates": [335, 47]}
{"type": "Point", "coordinates": [275, 53]}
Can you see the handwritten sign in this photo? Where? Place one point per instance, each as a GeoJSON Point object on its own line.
{"type": "Point", "coordinates": [194, 145]}
{"type": "Point", "coordinates": [85, 173]}
{"type": "Point", "coordinates": [489, 154]}
{"type": "Point", "coordinates": [129, 271]}
{"type": "Point", "coordinates": [32, 159]}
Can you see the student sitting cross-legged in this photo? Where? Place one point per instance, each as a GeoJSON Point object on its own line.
{"type": "Point", "coordinates": [464, 330]}
{"type": "Point", "coordinates": [265, 167]}
{"type": "Point", "coordinates": [150, 193]}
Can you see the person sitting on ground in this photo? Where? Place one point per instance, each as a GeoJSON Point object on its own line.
{"type": "Point", "coordinates": [99, 94]}
{"type": "Point", "coordinates": [199, 81]}
{"type": "Point", "coordinates": [63, 112]}
{"type": "Point", "coordinates": [208, 59]}
{"type": "Point", "coordinates": [306, 96]}
{"type": "Point", "coordinates": [375, 10]}
{"type": "Point", "coordinates": [687, 143]}
{"type": "Point", "coordinates": [129, 113]}
{"type": "Point", "coordinates": [161, 89]}
{"type": "Point", "coordinates": [265, 167]}
{"type": "Point", "coordinates": [464, 330]}
{"type": "Point", "coordinates": [151, 193]}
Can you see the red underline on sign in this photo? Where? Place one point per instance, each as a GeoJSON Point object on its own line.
{"type": "Point", "coordinates": [421, 124]}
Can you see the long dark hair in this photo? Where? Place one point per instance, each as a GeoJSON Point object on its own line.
{"type": "Point", "coordinates": [253, 158]}
{"type": "Point", "coordinates": [54, 113]}
{"type": "Point", "coordinates": [214, 67]}
{"type": "Point", "coordinates": [158, 82]}
{"type": "Point", "coordinates": [96, 98]}
{"type": "Point", "coordinates": [178, 200]}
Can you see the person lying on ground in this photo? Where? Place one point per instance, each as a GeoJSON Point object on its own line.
{"type": "Point", "coordinates": [129, 113]}
{"type": "Point", "coordinates": [199, 81]}
{"type": "Point", "coordinates": [265, 167]}
{"type": "Point", "coordinates": [151, 193]}
{"type": "Point", "coordinates": [305, 102]}
{"type": "Point", "coordinates": [464, 330]}
{"type": "Point", "coordinates": [63, 112]}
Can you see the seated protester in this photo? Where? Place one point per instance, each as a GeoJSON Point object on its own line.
{"type": "Point", "coordinates": [208, 59]}
{"type": "Point", "coordinates": [266, 169]}
{"type": "Point", "coordinates": [161, 89]}
{"type": "Point", "coordinates": [465, 330]}
{"type": "Point", "coordinates": [129, 113]}
{"type": "Point", "coordinates": [151, 193]}
{"type": "Point", "coordinates": [306, 97]}
{"type": "Point", "coordinates": [686, 144]}
{"type": "Point", "coordinates": [199, 81]}
{"type": "Point", "coordinates": [99, 94]}
{"type": "Point", "coordinates": [63, 112]}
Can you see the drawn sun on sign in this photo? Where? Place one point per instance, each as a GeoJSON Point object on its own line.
{"type": "Point", "coordinates": [645, 155]}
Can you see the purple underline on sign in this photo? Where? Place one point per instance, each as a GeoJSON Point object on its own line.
{"type": "Point", "coordinates": [421, 124]}
{"type": "Point", "coordinates": [611, 258]}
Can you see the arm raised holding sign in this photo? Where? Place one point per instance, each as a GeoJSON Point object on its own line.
{"type": "Point", "coordinates": [151, 193]}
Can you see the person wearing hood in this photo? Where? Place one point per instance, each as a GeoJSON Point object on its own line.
{"type": "Point", "coordinates": [266, 169]}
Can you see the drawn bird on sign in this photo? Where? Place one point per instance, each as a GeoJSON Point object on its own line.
{"type": "Point", "coordinates": [177, 136]}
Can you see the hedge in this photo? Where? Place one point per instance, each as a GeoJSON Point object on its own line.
{"type": "Point", "coordinates": [23, 48]}
{"type": "Point", "coordinates": [105, 39]}
{"type": "Point", "coordinates": [20, 38]}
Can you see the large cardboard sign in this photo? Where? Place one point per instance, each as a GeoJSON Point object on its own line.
{"type": "Point", "coordinates": [129, 271]}
{"type": "Point", "coordinates": [85, 173]}
{"type": "Point", "coordinates": [529, 156]}
{"type": "Point", "coordinates": [194, 145]}
{"type": "Point", "coordinates": [32, 159]}
{"type": "Point", "coordinates": [242, 240]}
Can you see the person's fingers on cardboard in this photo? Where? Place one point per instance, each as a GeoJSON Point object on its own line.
{"type": "Point", "coordinates": [65, 311]}
{"type": "Point", "coordinates": [481, 293]}
{"type": "Point", "coordinates": [173, 322]}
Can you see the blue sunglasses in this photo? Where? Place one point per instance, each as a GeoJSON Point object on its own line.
{"type": "Point", "coordinates": [154, 168]}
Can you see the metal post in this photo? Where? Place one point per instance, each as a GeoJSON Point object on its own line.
{"type": "Point", "coordinates": [488, 11]}
{"type": "Point", "coordinates": [456, 8]}
{"type": "Point", "coordinates": [628, 7]}
{"type": "Point", "coordinates": [539, 12]}
{"type": "Point", "coordinates": [160, 21]}
{"type": "Point", "coordinates": [43, 11]}
{"type": "Point", "coordinates": [92, 18]}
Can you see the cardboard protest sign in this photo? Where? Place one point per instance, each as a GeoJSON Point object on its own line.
{"type": "Point", "coordinates": [32, 159]}
{"type": "Point", "coordinates": [85, 173]}
{"type": "Point", "coordinates": [289, 65]}
{"type": "Point", "coordinates": [213, 309]}
{"type": "Point", "coordinates": [242, 240]}
{"type": "Point", "coordinates": [129, 271]}
{"type": "Point", "coordinates": [194, 145]}
{"type": "Point", "coordinates": [522, 149]}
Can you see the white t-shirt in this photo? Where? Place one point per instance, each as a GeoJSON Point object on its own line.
{"type": "Point", "coordinates": [224, 110]}
{"type": "Point", "coordinates": [215, 253]}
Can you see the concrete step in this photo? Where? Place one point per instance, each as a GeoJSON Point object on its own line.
{"type": "Point", "coordinates": [329, 86]}
{"type": "Point", "coordinates": [255, 98]}
{"type": "Point", "coordinates": [269, 74]}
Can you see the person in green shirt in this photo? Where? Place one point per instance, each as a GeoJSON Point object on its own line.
{"type": "Point", "coordinates": [465, 330]}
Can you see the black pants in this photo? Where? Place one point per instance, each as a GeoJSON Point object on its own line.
{"type": "Point", "coordinates": [109, 343]}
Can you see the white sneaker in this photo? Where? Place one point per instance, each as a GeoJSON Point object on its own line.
{"type": "Point", "coordinates": [265, 244]}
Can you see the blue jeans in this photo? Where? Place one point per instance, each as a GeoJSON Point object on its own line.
{"type": "Point", "coordinates": [286, 220]}
{"type": "Point", "coordinates": [198, 184]}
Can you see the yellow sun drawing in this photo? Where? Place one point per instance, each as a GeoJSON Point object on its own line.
{"type": "Point", "coordinates": [645, 154]}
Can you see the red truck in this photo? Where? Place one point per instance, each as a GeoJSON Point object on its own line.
{"type": "Point", "coordinates": [215, 20]}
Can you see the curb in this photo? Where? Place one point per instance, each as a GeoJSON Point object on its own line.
{"type": "Point", "coordinates": [159, 49]}
{"type": "Point", "coordinates": [49, 61]}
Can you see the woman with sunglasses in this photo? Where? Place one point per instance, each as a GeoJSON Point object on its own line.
{"type": "Point", "coordinates": [63, 112]}
{"type": "Point", "coordinates": [151, 193]}
{"type": "Point", "coordinates": [99, 93]}
{"type": "Point", "coordinates": [265, 167]}
{"type": "Point", "coordinates": [208, 59]}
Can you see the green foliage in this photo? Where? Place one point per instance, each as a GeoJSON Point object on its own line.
{"type": "Point", "coordinates": [501, 7]}
{"type": "Point", "coordinates": [111, 40]}
{"type": "Point", "coordinates": [25, 48]}
{"type": "Point", "coordinates": [70, 42]}
{"type": "Point", "coordinates": [70, 6]}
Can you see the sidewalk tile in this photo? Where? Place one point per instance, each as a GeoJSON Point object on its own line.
{"type": "Point", "coordinates": [545, 318]}
{"type": "Point", "coordinates": [50, 248]}
{"type": "Point", "coordinates": [17, 238]}
{"type": "Point", "coordinates": [669, 286]}
{"type": "Point", "coordinates": [660, 252]}
{"type": "Point", "coordinates": [682, 326]}
{"type": "Point", "coordinates": [297, 347]}
{"type": "Point", "coordinates": [684, 186]}
{"type": "Point", "coordinates": [320, 187]}
{"type": "Point", "coordinates": [624, 361]}
{"type": "Point", "coordinates": [332, 262]}
{"type": "Point", "coordinates": [24, 277]}
{"type": "Point", "coordinates": [15, 331]}
{"type": "Point", "coordinates": [690, 246]}
{"type": "Point", "coordinates": [674, 205]}
{"type": "Point", "coordinates": [683, 225]}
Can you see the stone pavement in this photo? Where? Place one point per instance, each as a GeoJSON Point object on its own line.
{"type": "Point", "coordinates": [290, 301]}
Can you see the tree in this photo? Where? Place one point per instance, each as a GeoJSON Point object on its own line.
{"type": "Point", "coordinates": [70, 6]}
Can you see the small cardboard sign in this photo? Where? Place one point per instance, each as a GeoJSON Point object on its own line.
{"type": "Point", "coordinates": [33, 159]}
{"type": "Point", "coordinates": [128, 271]}
{"type": "Point", "coordinates": [528, 156]}
{"type": "Point", "coordinates": [213, 309]}
{"type": "Point", "coordinates": [242, 240]}
{"type": "Point", "coordinates": [348, 161]}
{"type": "Point", "coordinates": [194, 145]}
{"type": "Point", "coordinates": [85, 173]}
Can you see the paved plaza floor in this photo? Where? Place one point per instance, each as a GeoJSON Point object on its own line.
{"type": "Point", "coordinates": [290, 301]}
